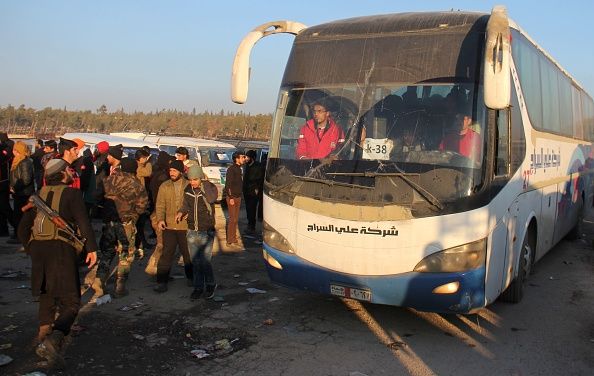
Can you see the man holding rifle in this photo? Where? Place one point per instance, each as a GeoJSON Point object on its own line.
{"type": "Point", "coordinates": [50, 236]}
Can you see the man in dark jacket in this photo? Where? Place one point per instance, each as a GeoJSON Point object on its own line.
{"type": "Point", "coordinates": [253, 183]}
{"type": "Point", "coordinates": [37, 167]}
{"type": "Point", "coordinates": [233, 189]}
{"type": "Point", "coordinates": [54, 261]}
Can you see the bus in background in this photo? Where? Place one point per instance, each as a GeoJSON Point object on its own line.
{"type": "Point", "coordinates": [213, 156]}
{"type": "Point", "coordinates": [467, 156]}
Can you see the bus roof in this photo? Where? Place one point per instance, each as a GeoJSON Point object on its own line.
{"type": "Point", "coordinates": [394, 23]}
{"type": "Point", "coordinates": [423, 22]}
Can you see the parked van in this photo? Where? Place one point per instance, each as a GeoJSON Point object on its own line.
{"type": "Point", "coordinates": [213, 156]}
{"type": "Point", "coordinates": [130, 145]}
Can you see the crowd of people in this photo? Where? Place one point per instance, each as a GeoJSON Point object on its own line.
{"type": "Point", "coordinates": [125, 193]}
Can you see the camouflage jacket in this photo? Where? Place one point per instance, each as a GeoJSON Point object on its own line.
{"type": "Point", "coordinates": [125, 197]}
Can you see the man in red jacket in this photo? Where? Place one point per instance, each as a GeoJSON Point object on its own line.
{"type": "Point", "coordinates": [319, 136]}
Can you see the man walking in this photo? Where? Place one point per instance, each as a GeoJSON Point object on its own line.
{"type": "Point", "coordinates": [54, 259]}
{"type": "Point", "coordinates": [125, 200]}
{"type": "Point", "coordinates": [169, 200]}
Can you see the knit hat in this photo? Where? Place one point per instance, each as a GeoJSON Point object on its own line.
{"type": "Point", "coordinates": [103, 147]}
{"type": "Point", "coordinates": [252, 154]}
{"type": "Point", "coordinates": [129, 164]}
{"type": "Point", "coordinates": [195, 172]}
{"type": "Point", "coordinates": [163, 160]}
{"type": "Point", "coordinates": [178, 165]}
{"type": "Point", "coordinates": [116, 151]}
{"type": "Point", "coordinates": [53, 166]}
{"type": "Point", "coordinates": [51, 143]}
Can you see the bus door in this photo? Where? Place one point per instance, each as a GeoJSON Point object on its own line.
{"type": "Point", "coordinates": [546, 224]}
{"type": "Point", "coordinates": [498, 257]}
{"type": "Point", "coordinates": [508, 251]}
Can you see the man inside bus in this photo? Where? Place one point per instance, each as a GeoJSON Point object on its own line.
{"type": "Point", "coordinates": [319, 136]}
{"type": "Point", "coordinates": [463, 139]}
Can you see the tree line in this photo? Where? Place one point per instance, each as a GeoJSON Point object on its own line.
{"type": "Point", "coordinates": [48, 122]}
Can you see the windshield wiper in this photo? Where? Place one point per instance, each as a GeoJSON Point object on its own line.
{"type": "Point", "coordinates": [402, 175]}
{"type": "Point", "coordinates": [316, 180]}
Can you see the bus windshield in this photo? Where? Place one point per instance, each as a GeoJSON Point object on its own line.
{"type": "Point", "coordinates": [379, 118]}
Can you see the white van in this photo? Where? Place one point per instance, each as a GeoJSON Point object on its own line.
{"type": "Point", "coordinates": [213, 156]}
{"type": "Point", "coordinates": [130, 145]}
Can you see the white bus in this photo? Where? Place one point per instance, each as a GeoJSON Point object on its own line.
{"type": "Point", "coordinates": [422, 225]}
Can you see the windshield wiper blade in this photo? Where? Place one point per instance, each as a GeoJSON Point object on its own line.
{"type": "Point", "coordinates": [315, 180]}
{"type": "Point", "coordinates": [404, 176]}
{"type": "Point", "coordinates": [331, 182]}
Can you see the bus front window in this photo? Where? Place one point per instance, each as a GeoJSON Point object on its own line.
{"type": "Point", "coordinates": [433, 134]}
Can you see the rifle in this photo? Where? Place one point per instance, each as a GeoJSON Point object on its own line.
{"type": "Point", "coordinates": [70, 235]}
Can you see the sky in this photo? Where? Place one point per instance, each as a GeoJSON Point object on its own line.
{"type": "Point", "coordinates": [150, 55]}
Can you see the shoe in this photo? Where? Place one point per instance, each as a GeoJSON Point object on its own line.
{"type": "Point", "coordinates": [44, 331]}
{"type": "Point", "coordinates": [50, 349]}
{"type": "Point", "coordinates": [120, 288]}
{"type": "Point", "coordinates": [210, 291]}
{"type": "Point", "coordinates": [97, 287]}
{"type": "Point", "coordinates": [196, 294]}
{"type": "Point", "coordinates": [160, 288]}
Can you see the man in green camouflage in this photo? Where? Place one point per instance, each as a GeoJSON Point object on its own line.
{"type": "Point", "coordinates": [125, 200]}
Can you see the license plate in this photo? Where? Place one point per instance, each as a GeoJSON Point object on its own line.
{"type": "Point", "coordinates": [350, 292]}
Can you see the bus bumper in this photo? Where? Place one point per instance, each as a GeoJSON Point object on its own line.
{"type": "Point", "coordinates": [412, 289]}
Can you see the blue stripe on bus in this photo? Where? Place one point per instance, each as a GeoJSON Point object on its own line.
{"type": "Point", "coordinates": [410, 289]}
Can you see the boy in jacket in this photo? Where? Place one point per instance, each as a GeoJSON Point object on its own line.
{"type": "Point", "coordinates": [198, 209]}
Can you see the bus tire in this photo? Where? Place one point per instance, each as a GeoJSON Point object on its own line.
{"type": "Point", "coordinates": [515, 291]}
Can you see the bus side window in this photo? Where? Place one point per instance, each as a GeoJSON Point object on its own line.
{"type": "Point", "coordinates": [502, 152]}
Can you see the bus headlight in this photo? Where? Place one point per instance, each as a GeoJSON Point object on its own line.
{"type": "Point", "coordinates": [275, 240]}
{"type": "Point", "coordinates": [458, 259]}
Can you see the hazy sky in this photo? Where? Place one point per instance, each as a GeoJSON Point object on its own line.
{"type": "Point", "coordinates": [147, 55]}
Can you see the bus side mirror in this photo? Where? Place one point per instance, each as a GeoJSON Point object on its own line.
{"type": "Point", "coordinates": [496, 65]}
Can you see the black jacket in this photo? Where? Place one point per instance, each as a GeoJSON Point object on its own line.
{"type": "Point", "coordinates": [233, 182]}
{"type": "Point", "coordinates": [253, 179]}
{"type": "Point", "coordinates": [21, 178]}
{"type": "Point", "coordinates": [200, 216]}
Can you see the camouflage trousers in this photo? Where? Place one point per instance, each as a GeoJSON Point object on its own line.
{"type": "Point", "coordinates": [116, 238]}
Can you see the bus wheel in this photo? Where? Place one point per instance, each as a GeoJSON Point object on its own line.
{"type": "Point", "coordinates": [515, 291]}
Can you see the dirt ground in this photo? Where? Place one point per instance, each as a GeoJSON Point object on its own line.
{"type": "Point", "coordinates": [121, 336]}
{"type": "Point", "coordinates": [277, 331]}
